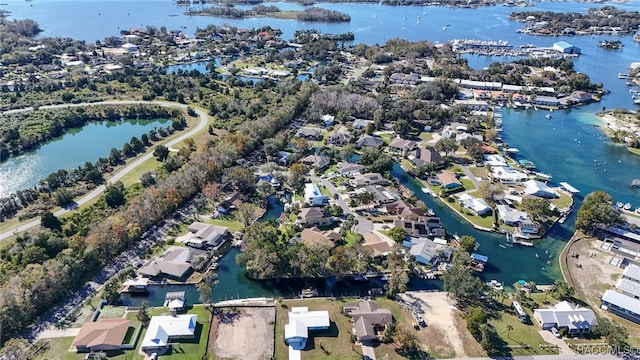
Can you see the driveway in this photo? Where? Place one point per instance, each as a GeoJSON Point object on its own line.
{"type": "Point", "coordinates": [204, 120]}
{"type": "Point", "coordinates": [58, 333]}
{"type": "Point", "coordinates": [364, 225]}
{"type": "Point", "coordinates": [562, 346]}
{"type": "Point", "coordinates": [368, 352]}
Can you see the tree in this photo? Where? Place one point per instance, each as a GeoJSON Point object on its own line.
{"type": "Point", "coordinates": [460, 283]}
{"type": "Point", "coordinates": [143, 312]}
{"type": "Point", "coordinates": [615, 334]}
{"type": "Point", "coordinates": [161, 152]}
{"type": "Point", "coordinates": [467, 243]}
{"type": "Point", "coordinates": [509, 328]}
{"type": "Point", "coordinates": [475, 317]}
{"type": "Point", "coordinates": [397, 234]}
{"type": "Point", "coordinates": [561, 290]}
{"type": "Point", "coordinates": [297, 176]}
{"type": "Point", "coordinates": [407, 341]}
{"type": "Point", "coordinates": [205, 288]}
{"type": "Point", "coordinates": [491, 341]}
{"type": "Point", "coordinates": [114, 195]}
{"type": "Point", "coordinates": [597, 209]}
{"type": "Point", "coordinates": [15, 349]}
{"type": "Point", "coordinates": [446, 145]}
{"type": "Point", "coordinates": [247, 213]}
{"type": "Point", "coordinates": [64, 197]}
{"type": "Point", "coordinates": [538, 208]}
{"type": "Point", "coordinates": [50, 221]}
{"type": "Point", "coordinates": [490, 192]}
{"type": "Point", "coordinates": [115, 157]}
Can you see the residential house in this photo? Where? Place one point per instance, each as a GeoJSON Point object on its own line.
{"type": "Point", "coordinates": [494, 160]}
{"type": "Point", "coordinates": [313, 196]}
{"type": "Point", "coordinates": [201, 235]}
{"type": "Point", "coordinates": [622, 305]}
{"type": "Point", "coordinates": [311, 234]}
{"type": "Point", "coordinates": [368, 319]}
{"type": "Point", "coordinates": [316, 161]}
{"type": "Point", "coordinates": [519, 219]}
{"type": "Point", "coordinates": [479, 85]}
{"type": "Point", "coordinates": [380, 246]}
{"type": "Point", "coordinates": [412, 213]}
{"type": "Point", "coordinates": [369, 141]}
{"type": "Point", "coordinates": [361, 124]}
{"type": "Point", "coordinates": [175, 263]}
{"type": "Point", "coordinates": [349, 170]}
{"type": "Point", "coordinates": [427, 251]}
{"type": "Point", "coordinates": [581, 96]}
{"type": "Point", "coordinates": [427, 155]}
{"type": "Point", "coordinates": [401, 146]}
{"type": "Point", "coordinates": [165, 330]}
{"type": "Point", "coordinates": [545, 101]}
{"type": "Point", "coordinates": [103, 335]}
{"type": "Point", "coordinates": [309, 133]}
{"type": "Point", "coordinates": [380, 194]}
{"type": "Point", "coordinates": [337, 137]}
{"type": "Point", "coordinates": [327, 119]}
{"type": "Point", "coordinates": [425, 226]}
{"type": "Point", "coordinates": [577, 320]}
{"type": "Point", "coordinates": [396, 207]}
{"type": "Point", "coordinates": [368, 179]}
{"type": "Point", "coordinates": [539, 189]}
{"type": "Point", "coordinates": [301, 321]}
{"type": "Point", "coordinates": [314, 216]}
{"type": "Point", "coordinates": [449, 181]}
{"type": "Point", "coordinates": [508, 175]}
{"type": "Point", "coordinates": [231, 202]}
{"type": "Point", "coordinates": [477, 206]}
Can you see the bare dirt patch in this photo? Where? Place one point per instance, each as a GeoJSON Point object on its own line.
{"type": "Point", "coordinates": [245, 333]}
{"type": "Point", "coordinates": [442, 336]}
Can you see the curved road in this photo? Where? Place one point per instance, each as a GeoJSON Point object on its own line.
{"type": "Point", "coordinates": [122, 172]}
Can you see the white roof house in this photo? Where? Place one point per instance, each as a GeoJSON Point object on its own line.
{"type": "Point", "coordinates": [494, 160]}
{"type": "Point", "coordinates": [163, 330]}
{"type": "Point", "coordinates": [508, 175]}
{"type": "Point", "coordinates": [312, 195]}
{"type": "Point", "coordinates": [479, 206]}
{"type": "Point", "coordinates": [301, 320]}
{"type": "Point", "coordinates": [566, 315]}
{"type": "Point", "coordinates": [628, 287]}
{"type": "Point", "coordinates": [539, 189]}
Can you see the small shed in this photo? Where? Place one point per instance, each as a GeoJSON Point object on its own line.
{"type": "Point", "coordinates": [175, 301]}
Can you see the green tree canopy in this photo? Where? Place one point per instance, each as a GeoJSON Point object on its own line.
{"type": "Point", "coordinates": [597, 209]}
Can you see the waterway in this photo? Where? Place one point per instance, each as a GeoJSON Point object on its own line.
{"type": "Point", "coordinates": [568, 145]}
{"type": "Point", "coordinates": [69, 151]}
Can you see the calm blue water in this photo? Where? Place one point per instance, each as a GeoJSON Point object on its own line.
{"type": "Point", "coordinates": [565, 146]}
{"type": "Point", "coordinates": [69, 151]}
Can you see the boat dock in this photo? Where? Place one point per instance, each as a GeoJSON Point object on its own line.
{"type": "Point", "coordinates": [566, 186]}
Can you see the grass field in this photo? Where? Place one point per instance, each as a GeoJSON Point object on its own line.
{"type": "Point", "coordinates": [522, 334]}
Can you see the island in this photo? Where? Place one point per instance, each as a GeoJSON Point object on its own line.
{"type": "Point", "coordinates": [604, 20]}
{"type": "Point", "coordinates": [310, 14]}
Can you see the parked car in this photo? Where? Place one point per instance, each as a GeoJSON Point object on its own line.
{"type": "Point", "coordinates": [555, 332]}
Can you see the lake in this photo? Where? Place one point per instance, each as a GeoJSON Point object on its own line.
{"type": "Point", "coordinates": [73, 149]}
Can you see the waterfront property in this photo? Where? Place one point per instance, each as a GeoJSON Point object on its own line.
{"type": "Point", "coordinates": [368, 319]}
{"type": "Point", "coordinates": [175, 263]}
{"type": "Point", "coordinates": [102, 335]}
{"type": "Point", "coordinates": [566, 48]}
{"type": "Point", "coordinates": [301, 321]}
{"type": "Point", "coordinates": [577, 320]}
{"type": "Point", "coordinates": [477, 206]}
{"type": "Point", "coordinates": [624, 300]}
{"type": "Point", "coordinates": [163, 330]}
{"type": "Point", "coordinates": [201, 235]}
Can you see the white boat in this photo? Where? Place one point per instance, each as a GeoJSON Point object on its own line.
{"type": "Point", "coordinates": [627, 206]}
{"type": "Point", "coordinates": [430, 212]}
{"type": "Point", "coordinates": [502, 246]}
{"type": "Point", "coordinates": [622, 76]}
{"type": "Point", "coordinates": [548, 116]}
{"type": "Point", "coordinates": [543, 176]}
{"type": "Point", "coordinates": [619, 204]}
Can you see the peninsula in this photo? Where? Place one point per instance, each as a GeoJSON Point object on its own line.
{"type": "Point", "coordinates": [310, 14]}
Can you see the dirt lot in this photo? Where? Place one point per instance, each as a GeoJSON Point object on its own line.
{"type": "Point", "coordinates": [246, 333]}
{"type": "Point", "coordinates": [443, 336]}
{"type": "Point", "coordinates": [593, 259]}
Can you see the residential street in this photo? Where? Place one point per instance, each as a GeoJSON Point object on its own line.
{"type": "Point", "coordinates": [122, 172]}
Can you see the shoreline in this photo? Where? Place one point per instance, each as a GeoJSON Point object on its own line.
{"type": "Point", "coordinates": [612, 123]}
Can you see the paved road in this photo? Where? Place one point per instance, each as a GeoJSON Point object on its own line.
{"type": "Point", "coordinates": [119, 174]}
{"type": "Point", "coordinates": [364, 225]}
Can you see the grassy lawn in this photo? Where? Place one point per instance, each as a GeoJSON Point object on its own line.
{"type": "Point", "coordinates": [227, 221]}
{"type": "Point", "coordinates": [426, 136]}
{"type": "Point", "coordinates": [522, 334]}
{"type": "Point", "coordinates": [134, 176]}
{"type": "Point", "coordinates": [563, 201]}
{"type": "Point", "coordinates": [478, 171]}
{"type": "Point", "coordinates": [324, 191]}
{"type": "Point", "coordinates": [111, 312]}
{"type": "Point", "coordinates": [468, 184]}
{"type": "Point", "coordinates": [335, 340]}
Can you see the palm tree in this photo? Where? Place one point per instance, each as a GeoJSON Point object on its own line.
{"type": "Point", "coordinates": [509, 328]}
